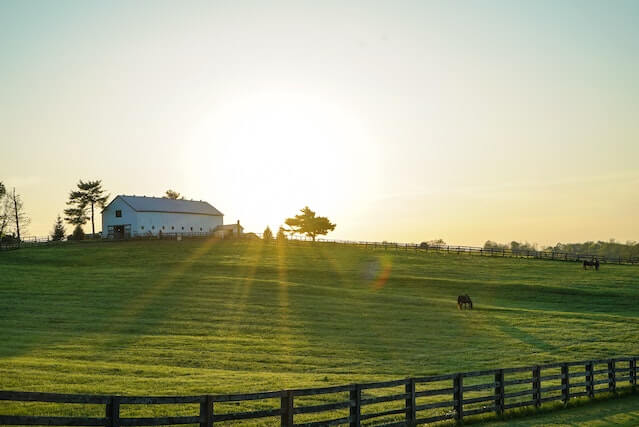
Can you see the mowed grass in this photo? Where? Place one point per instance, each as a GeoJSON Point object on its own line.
{"type": "Point", "coordinates": [195, 317]}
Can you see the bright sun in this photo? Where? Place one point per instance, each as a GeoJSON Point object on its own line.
{"type": "Point", "coordinates": [280, 151]}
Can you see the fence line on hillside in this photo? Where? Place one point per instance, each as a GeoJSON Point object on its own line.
{"type": "Point", "coordinates": [422, 247]}
{"type": "Point", "coordinates": [421, 400]}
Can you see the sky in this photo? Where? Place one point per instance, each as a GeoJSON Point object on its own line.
{"type": "Point", "coordinates": [399, 120]}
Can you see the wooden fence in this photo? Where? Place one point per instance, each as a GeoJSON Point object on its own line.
{"type": "Point", "coordinates": [417, 400]}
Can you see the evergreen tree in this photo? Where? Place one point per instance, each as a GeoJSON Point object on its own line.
{"type": "Point", "coordinates": [268, 234]}
{"type": "Point", "coordinates": [58, 230]}
{"type": "Point", "coordinates": [88, 195]}
{"type": "Point", "coordinates": [78, 233]}
{"type": "Point", "coordinates": [281, 235]}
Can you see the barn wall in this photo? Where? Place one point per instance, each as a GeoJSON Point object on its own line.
{"type": "Point", "coordinates": [152, 222]}
{"type": "Point", "coordinates": [108, 216]}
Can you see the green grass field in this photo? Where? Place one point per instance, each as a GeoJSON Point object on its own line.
{"type": "Point", "coordinates": [196, 317]}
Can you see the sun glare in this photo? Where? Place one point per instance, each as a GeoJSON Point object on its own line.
{"type": "Point", "coordinates": [280, 151]}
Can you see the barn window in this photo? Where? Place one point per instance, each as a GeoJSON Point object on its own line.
{"type": "Point", "coordinates": [172, 228]}
{"type": "Point", "coordinates": [153, 227]}
{"type": "Point", "coordinates": [118, 213]}
{"type": "Point", "coordinates": [162, 227]}
{"type": "Point", "coordinates": [142, 227]}
{"type": "Point", "coordinates": [200, 228]}
{"type": "Point", "coordinates": [191, 228]}
{"type": "Point", "coordinates": [182, 227]}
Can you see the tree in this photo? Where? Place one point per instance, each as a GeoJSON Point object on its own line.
{"type": "Point", "coordinates": [309, 224]}
{"type": "Point", "coordinates": [78, 233]}
{"type": "Point", "coordinates": [281, 235]}
{"type": "Point", "coordinates": [170, 194]}
{"type": "Point", "coordinates": [3, 190]}
{"type": "Point", "coordinates": [88, 195]}
{"type": "Point", "coordinates": [16, 215]}
{"type": "Point", "coordinates": [268, 234]}
{"type": "Point", "coordinates": [58, 230]}
{"type": "Point", "coordinates": [4, 209]}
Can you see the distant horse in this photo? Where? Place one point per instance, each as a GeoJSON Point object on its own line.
{"type": "Point", "coordinates": [593, 263]}
{"type": "Point", "coordinates": [464, 301]}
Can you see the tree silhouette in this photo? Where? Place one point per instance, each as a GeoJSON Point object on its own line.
{"type": "Point", "coordinates": [171, 194]}
{"type": "Point", "coordinates": [58, 230]}
{"type": "Point", "coordinates": [281, 235]}
{"type": "Point", "coordinates": [309, 224]}
{"type": "Point", "coordinates": [88, 195]}
{"type": "Point", "coordinates": [268, 234]}
{"type": "Point", "coordinates": [16, 214]}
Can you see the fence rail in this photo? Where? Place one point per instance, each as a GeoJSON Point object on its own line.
{"type": "Point", "coordinates": [421, 400]}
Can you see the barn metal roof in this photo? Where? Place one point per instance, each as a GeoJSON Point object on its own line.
{"type": "Point", "coordinates": [163, 204]}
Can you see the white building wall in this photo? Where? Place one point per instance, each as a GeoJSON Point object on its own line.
{"type": "Point", "coordinates": [154, 222]}
{"type": "Point", "coordinates": [129, 216]}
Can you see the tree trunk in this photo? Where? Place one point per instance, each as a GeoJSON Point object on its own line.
{"type": "Point", "coordinates": [15, 209]}
{"type": "Point", "coordinates": [92, 224]}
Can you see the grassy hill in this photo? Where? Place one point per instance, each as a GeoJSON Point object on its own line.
{"type": "Point", "coordinates": [212, 317]}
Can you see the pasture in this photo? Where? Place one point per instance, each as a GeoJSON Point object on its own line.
{"type": "Point", "coordinates": [195, 317]}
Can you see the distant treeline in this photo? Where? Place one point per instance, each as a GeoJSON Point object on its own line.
{"type": "Point", "coordinates": [610, 249]}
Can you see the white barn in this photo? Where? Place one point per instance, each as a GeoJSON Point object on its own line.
{"type": "Point", "coordinates": [128, 216]}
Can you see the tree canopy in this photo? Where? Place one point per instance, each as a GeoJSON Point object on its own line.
{"type": "Point", "coordinates": [87, 195]}
{"type": "Point", "coordinates": [172, 194]}
{"type": "Point", "coordinates": [309, 224]}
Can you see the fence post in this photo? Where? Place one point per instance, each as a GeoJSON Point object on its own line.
{"type": "Point", "coordinates": [590, 388]}
{"type": "Point", "coordinates": [206, 411]}
{"type": "Point", "coordinates": [612, 379]}
{"type": "Point", "coordinates": [356, 410]}
{"type": "Point", "coordinates": [633, 373]}
{"type": "Point", "coordinates": [287, 408]}
{"type": "Point", "coordinates": [411, 414]}
{"type": "Point", "coordinates": [565, 383]}
{"type": "Point", "coordinates": [458, 396]}
{"type": "Point", "coordinates": [499, 391]}
{"type": "Point", "coordinates": [113, 412]}
{"type": "Point", "coordinates": [536, 385]}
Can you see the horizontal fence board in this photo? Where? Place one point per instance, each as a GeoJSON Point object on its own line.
{"type": "Point", "coordinates": [517, 393]}
{"type": "Point", "coordinates": [247, 415]}
{"type": "Point", "coordinates": [552, 388]}
{"type": "Point", "coordinates": [160, 400]}
{"type": "Point", "coordinates": [480, 387]}
{"type": "Point", "coordinates": [247, 396]}
{"type": "Point", "coordinates": [159, 421]}
{"type": "Point", "coordinates": [478, 399]}
{"type": "Point", "coordinates": [322, 408]}
{"type": "Point", "coordinates": [551, 377]}
{"type": "Point", "coordinates": [385, 384]}
{"type": "Point", "coordinates": [521, 381]}
{"type": "Point", "coordinates": [333, 422]}
{"type": "Point", "coordinates": [434, 378]}
{"type": "Point", "coordinates": [24, 396]}
{"type": "Point", "coordinates": [322, 390]}
{"type": "Point", "coordinates": [390, 398]}
{"type": "Point", "coordinates": [434, 392]}
{"type": "Point", "coordinates": [27, 420]}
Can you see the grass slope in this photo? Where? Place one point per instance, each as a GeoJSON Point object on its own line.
{"type": "Point", "coordinates": [213, 317]}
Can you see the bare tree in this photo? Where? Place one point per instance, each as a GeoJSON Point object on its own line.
{"type": "Point", "coordinates": [16, 215]}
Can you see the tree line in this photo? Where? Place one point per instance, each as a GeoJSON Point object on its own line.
{"type": "Point", "coordinates": [306, 223]}
{"type": "Point", "coordinates": [609, 249]}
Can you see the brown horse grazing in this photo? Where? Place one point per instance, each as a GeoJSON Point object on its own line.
{"type": "Point", "coordinates": [464, 301]}
{"type": "Point", "coordinates": [594, 263]}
